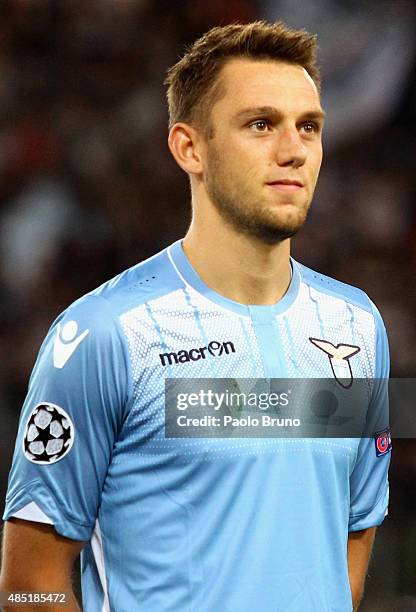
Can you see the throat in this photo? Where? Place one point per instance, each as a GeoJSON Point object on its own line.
{"type": "Point", "coordinates": [239, 271]}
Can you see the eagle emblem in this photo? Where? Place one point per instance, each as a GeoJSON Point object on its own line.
{"type": "Point", "coordinates": [339, 356]}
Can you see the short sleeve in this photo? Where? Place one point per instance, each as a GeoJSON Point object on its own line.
{"type": "Point", "coordinates": [369, 487]}
{"type": "Point", "coordinates": [71, 418]}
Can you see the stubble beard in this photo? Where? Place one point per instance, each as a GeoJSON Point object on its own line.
{"type": "Point", "coordinates": [240, 210]}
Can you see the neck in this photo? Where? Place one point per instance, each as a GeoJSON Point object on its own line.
{"type": "Point", "coordinates": [239, 267]}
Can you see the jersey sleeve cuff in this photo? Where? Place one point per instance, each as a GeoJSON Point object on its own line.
{"type": "Point", "coordinates": [370, 519]}
{"type": "Point", "coordinates": [35, 491]}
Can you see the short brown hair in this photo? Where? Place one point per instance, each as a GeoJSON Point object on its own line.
{"type": "Point", "coordinates": [192, 82]}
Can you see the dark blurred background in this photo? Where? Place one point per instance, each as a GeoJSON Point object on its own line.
{"type": "Point", "coordinates": [88, 188]}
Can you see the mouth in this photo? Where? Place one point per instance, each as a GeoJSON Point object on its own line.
{"type": "Point", "coordinates": [286, 185]}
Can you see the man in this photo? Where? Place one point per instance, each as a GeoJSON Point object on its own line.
{"type": "Point", "coordinates": [207, 524]}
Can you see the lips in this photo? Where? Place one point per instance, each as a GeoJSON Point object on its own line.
{"type": "Point", "coordinates": [286, 182]}
{"type": "Point", "coordinates": [286, 185]}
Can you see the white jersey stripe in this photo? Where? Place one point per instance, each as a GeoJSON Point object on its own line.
{"type": "Point", "coordinates": [98, 552]}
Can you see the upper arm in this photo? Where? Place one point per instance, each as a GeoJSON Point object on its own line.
{"type": "Point", "coordinates": [36, 557]}
{"type": "Point", "coordinates": [361, 541]}
{"type": "Point", "coordinates": [360, 544]}
{"type": "Point", "coordinates": [70, 420]}
{"type": "Point", "coordinates": [369, 480]}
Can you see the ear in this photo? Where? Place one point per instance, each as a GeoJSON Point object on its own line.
{"type": "Point", "coordinates": [185, 144]}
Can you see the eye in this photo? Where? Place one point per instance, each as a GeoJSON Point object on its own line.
{"type": "Point", "coordinates": [310, 127]}
{"type": "Point", "coordinates": [261, 125]}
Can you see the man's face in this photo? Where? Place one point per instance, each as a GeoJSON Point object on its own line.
{"type": "Point", "coordinates": [263, 161]}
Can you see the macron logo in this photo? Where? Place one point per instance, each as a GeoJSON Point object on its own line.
{"type": "Point", "coordinates": [214, 348]}
{"type": "Point", "coordinates": [66, 342]}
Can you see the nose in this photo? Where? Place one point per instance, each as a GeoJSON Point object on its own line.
{"type": "Point", "coordinates": [289, 148]}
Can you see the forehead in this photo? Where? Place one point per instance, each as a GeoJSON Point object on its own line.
{"type": "Point", "coordinates": [247, 82]}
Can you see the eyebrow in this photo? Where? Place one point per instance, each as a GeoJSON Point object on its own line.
{"type": "Point", "coordinates": [274, 113]}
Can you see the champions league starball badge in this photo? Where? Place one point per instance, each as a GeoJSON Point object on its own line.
{"type": "Point", "coordinates": [49, 434]}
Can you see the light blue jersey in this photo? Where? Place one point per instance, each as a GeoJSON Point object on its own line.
{"type": "Point", "coordinates": [199, 525]}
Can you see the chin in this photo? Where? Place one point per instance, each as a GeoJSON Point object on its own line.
{"type": "Point", "coordinates": [292, 221]}
{"type": "Point", "coordinates": [274, 234]}
{"type": "Point", "coordinates": [275, 230]}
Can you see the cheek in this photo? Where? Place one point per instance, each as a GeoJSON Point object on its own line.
{"type": "Point", "coordinates": [319, 156]}
{"type": "Point", "coordinates": [236, 164]}
{"type": "Point", "coordinates": [238, 167]}
{"type": "Point", "coordinates": [246, 153]}
{"type": "Point", "coordinates": [315, 163]}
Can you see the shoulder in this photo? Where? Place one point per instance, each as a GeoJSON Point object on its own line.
{"type": "Point", "coordinates": [93, 322]}
{"type": "Point", "coordinates": [141, 283]}
{"type": "Point", "coordinates": [332, 291]}
{"type": "Point", "coordinates": [331, 287]}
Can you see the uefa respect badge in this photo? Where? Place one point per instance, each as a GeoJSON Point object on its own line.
{"type": "Point", "coordinates": [382, 440]}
